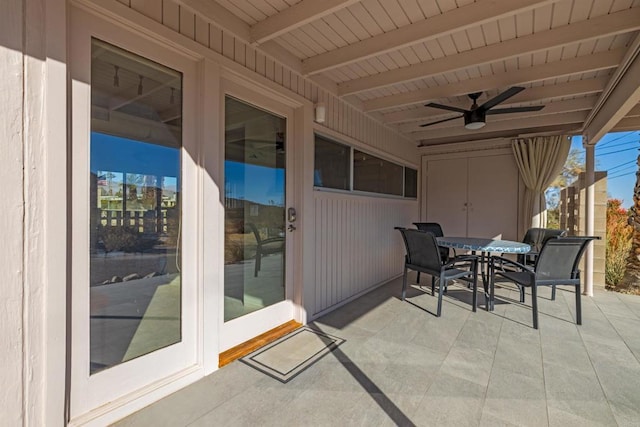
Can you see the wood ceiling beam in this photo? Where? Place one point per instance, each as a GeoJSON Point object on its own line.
{"type": "Point", "coordinates": [516, 125]}
{"type": "Point", "coordinates": [602, 26]}
{"type": "Point", "coordinates": [295, 16]}
{"type": "Point", "coordinates": [635, 112]}
{"type": "Point", "coordinates": [579, 104]}
{"type": "Point", "coordinates": [582, 64]}
{"type": "Point", "coordinates": [534, 94]}
{"type": "Point", "coordinates": [428, 29]}
{"type": "Point", "coordinates": [621, 95]}
{"type": "Point", "coordinates": [566, 129]}
{"type": "Point", "coordinates": [628, 124]}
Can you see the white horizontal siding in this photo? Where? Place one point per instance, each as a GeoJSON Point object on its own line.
{"type": "Point", "coordinates": [340, 116]}
{"type": "Point", "coordinates": [356, 246]}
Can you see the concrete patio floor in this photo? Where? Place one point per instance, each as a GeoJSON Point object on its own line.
{"type": "Point", "coordinates": [401, 365]}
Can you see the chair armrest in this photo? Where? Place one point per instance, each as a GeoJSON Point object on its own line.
{"type": "Point", "coordinates": [462, 259]}
{"type": "Point", "coordinates": [272, 240]}
{"type": "Point", "coordinates": [502, 261]}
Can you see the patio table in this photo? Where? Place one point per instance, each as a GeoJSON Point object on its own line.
{"type": "Point", "coordinates": [485, 246]}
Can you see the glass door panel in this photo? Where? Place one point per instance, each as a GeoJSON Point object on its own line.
{"type": "Point", "coordinates": [135, 210]}
{"type": "Point", "coordinates": [255, 174]}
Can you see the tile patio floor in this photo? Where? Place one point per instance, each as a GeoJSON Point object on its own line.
{"type": "Point", "coordinates": [402, 366]}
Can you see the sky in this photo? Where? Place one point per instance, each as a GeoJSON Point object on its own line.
{"type": "Point", "coordinates": [616, 153]}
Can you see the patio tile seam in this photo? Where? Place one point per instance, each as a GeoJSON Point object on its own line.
{"type": "Point", "coordinates": [620, 337]}
{"type": "Point", "coordinates": [595, 371]}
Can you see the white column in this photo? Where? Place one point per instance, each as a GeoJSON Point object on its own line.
{"type": "Point", "coordinates": [589, 215]}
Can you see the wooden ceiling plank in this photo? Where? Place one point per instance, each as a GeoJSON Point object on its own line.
{"type": "Point", "coordinates": [620, 22]}
{"type": "Point", "coordinates": [535, 94]}
{"type": "Point", "coordinates": [597, 61]}
{"type": "Point", "coordinates": [628, 124]}
{"type": "Point", "coordinates": [437, 26]}
{"type": "Point", "coordinates": [212, 12]}
{"type": "Point", "coordinates": [294, 17]}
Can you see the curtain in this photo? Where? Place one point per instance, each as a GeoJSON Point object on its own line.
{"type": "Point", "coordinates": [540, 161]}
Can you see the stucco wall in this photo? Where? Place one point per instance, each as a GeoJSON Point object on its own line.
{"type": "Point", "coordinates": [11, 220]}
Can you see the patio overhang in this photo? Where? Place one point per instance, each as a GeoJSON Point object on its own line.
{"type": "Point", "coordinates": [390, 59]}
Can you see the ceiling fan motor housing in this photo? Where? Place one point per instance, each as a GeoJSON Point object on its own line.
{"type": "Point", "coordinates": [474, 119]}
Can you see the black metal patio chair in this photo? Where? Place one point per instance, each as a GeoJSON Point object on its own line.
{"type": "Point", "coordinates": [555, 265]}
{"type": "Point", "coordinates": [423, 256]}
{"type": "Point", "coordinates": [536, 238]}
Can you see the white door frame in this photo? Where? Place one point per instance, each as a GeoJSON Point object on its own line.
{"type": "Point", "coordinates": [107, 393]}
{"type": "Point", "coordinates": [241, 329]}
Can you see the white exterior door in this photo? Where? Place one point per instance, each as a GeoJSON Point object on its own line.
{"type": "Point", "coordinates": [260, 217]}
{"type": "Point", "coordinates": [134, 293]}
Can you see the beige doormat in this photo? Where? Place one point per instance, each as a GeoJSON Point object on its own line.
{"type": "Point", "coordinates": [288, 356]}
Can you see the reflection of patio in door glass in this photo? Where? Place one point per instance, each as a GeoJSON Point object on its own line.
{"type": "Point", "coordinates": [136, 136]}
{"type": "Point", "coordinates": [254, 209]}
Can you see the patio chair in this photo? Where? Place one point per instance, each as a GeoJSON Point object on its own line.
{"type": "Point", "coordinates": [436, 229]}
{"type": "Point", "coordinates": [264, 247]}
{"type": "Point", "coordinates": [556, 264]}
{"type": "Point", "coordinates": [536, 238]}
{"type": "Point", "coordinates": [423, 256]}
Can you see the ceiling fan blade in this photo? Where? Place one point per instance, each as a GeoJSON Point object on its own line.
{"type": "Point", "coordinates": [515, 109]}
{"type": "Point", "coordinates": [445, 107]}
{"type": "Point", "coordinates": [440, 121]}
{"type": "Point", "coordinates": [501, 97]}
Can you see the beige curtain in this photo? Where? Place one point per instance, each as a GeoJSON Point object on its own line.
{"type": "Point", "coordinates": [540, 161]}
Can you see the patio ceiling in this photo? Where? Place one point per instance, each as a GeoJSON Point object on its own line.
{"type": "Point", "coordinates": [579, 58]}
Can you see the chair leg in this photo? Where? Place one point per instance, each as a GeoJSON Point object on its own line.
{"type": "Point", "coordinates": [553, 292]}
{"type": "Point", "coordinates": [404, 283]}
{"type": "Point", "coordinates": [258, 261]}
{"type": "Point", "coordinates": [433, 286]}
{"type": "Point", "coordinates": [521, 288]}
{"type": "Point", "coordinates": [492, 279]}
{"type": "Point", "coordinates": [578, 305]}
{"type": "Point", "coordinates": [418, 279]}
{"type": "Point", "coordinates": [534, 305]}
{"type": "Point", "coordinates": [475, 287]}
{"type": "Point", "coordinates": [440, 296]}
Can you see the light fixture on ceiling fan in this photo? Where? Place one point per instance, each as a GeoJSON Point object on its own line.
{"type": "Point", "coordinates": [475, 117]}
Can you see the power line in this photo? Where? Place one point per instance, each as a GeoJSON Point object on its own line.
{"type": "Point", "coordinates": [622, 144]}
{"type": "Point", "coordinates": [617, 151]}
{"type": "Point", "coordinates": [623, 164]}
{"type": "Point", "coordinates": [619, 138]}
{"type": "Point", "coordinates": [620, 176]}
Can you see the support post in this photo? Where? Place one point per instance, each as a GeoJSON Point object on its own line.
{"type": "Point", "coordinates": [589, 215]}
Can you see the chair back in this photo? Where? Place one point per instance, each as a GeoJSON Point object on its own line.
{"type": "Point", "coordinates": [559, 259]}
{"type": "Point", "coordinates": [422, 249]}
{"type": "Point", "coordinates": [255, 232]}
{"type": "Point", "coordinates": [431, 227]}
{"type": "Point", "coordinates": [536, 237]}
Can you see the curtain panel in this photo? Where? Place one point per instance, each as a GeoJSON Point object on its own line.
{"type": "Point", "coordinates": [540, 161]}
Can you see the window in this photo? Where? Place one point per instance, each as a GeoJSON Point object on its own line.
{"type": "Point", "coordinates": [331, 165]}
{"type": "Point", "coordinates": [375, 175]}
{"type": "Point", "coordinates": [372, 174]}
{"type": "Point", "coordinates": [410, 183]}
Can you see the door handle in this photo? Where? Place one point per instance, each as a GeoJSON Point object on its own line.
{"type": "Point", "coordinates": [291, 227]}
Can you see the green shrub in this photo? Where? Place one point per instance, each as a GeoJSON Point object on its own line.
{"type": "Point", "coordinates": [619, 235]}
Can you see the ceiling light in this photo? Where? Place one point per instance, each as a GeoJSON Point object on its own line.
{"type": "Point", "coordinates": [474, 125]}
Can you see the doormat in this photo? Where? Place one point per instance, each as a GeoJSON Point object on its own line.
{"type": "Point", "coordinates": [288, 356]}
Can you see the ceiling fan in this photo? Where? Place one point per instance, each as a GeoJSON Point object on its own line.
{"type": "Point", "coordinates": [474, 118]}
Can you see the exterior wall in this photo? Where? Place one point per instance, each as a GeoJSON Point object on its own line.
{"type": "Point", "coordinates": [572, 215]}
{"type": "Point", "coordinates": [11, 221]}
{"type": "Point", "coordinates": [356, 246]}
{"type": "Point", "coordinates": [33, 252]}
